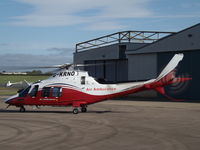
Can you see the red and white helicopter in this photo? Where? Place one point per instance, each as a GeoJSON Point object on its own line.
{"type": "Point", "coordinates": [69, 87]}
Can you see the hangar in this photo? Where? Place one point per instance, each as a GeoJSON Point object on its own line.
{"type": "Point", "coordinates": [141, 55]}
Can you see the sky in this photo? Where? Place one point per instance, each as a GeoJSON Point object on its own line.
{"type": "Point", "coordinates": [44, 32]}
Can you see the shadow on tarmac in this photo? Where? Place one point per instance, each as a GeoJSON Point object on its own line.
{"type": "Point", "coordinates": [52, 111]}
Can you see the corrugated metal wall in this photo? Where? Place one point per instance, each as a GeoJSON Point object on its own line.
{"type": "Point", "coordinates": [110, 70]}
{"type": "Point", "coordinates": [142, 66]}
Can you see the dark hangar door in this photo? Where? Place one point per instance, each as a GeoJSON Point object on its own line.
{"type": "Point", "coordinates": [91, 69]}
{"type": "Point", "coordinates": [109, 70]}
{"type": "Point", "coordinates": [195, 75]}
{"type": "Point", "coordinates": [122, 70]}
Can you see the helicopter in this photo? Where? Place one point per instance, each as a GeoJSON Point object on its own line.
{"type": "Point", "coordinates": [71, 87]}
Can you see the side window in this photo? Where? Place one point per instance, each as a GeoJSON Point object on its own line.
{"type": "Point", "coordinates": [57, 92]}
{"type": "Point", "coordinates": [83, 80]}
{"type": "Point", "coordinates": [46, 91]}
{"type": "Point", "coordinates": [34, 91]}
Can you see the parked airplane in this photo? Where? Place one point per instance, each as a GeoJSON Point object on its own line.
{"type": "Point", "coordinates": [70, 87]}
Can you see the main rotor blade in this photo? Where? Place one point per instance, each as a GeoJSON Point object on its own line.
{"type": "Point", "coordinates": [34, 67]}
{"type": "Point", "coordinates": [83, 65]}
{"type": "Point", "coordinates": [57, 67]}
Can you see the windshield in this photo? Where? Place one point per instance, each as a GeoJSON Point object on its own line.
{"type": "Point", "coordinates": [24, 92]}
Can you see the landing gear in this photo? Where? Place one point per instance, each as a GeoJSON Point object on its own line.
{"type": "Point", "coordinates": [75, 111]}
{"type": "Point", "coordinates": [22, 109]}
{"type": "Point", "coordinates": [81, 107]}
{"type": "Point", "coordinates": [84, 109]}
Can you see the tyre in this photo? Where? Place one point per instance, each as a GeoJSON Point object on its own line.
{"type": "Point", "coordinates": [83, 109]}
{"type": "Point", "coordinates": [75, 111]}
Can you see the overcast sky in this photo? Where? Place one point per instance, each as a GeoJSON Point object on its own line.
{"type": "Point", "coordinates": [43, 32]}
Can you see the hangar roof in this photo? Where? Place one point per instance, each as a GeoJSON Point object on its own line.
{"type": "Point", "coordinates": [185, 40]}
{"type": "Point", "coordinates": [121, 37]}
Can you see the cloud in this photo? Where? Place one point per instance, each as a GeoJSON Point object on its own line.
{"type": "Point", "coordinates": [105, 26]}
{"type": "Point", "coordinates": [61, 51]}
{"type": "Point", "coordinates": [47, 20]}
{"type": "Point", "coordinates": [90, 12]}
{"type": "Point", "coordinates": [33, 60]}
{"type": "Point", "coordinates": [178, 16]}
{"type": "Point", "coordinates": [54, 56]}
{"type": "Point", "coordinates": [35, 48]}
{"type": "Point", "coordinates": [4, 44]}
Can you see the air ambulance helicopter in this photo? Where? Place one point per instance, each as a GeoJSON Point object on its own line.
{"type": "Point", "coordinates": [70, 87]}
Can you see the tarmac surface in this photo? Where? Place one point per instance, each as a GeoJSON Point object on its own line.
{"type": "Point", "coordinates": [110, 125]}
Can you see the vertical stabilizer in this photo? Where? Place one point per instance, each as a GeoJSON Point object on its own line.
{"type": "Point", "coordinates": [170, 66]}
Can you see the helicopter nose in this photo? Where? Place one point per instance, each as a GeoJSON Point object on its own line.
{"type": "Point", "coordinates": [9, 99]}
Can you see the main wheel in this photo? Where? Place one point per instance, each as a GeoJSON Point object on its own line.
{"type": "Point", "coordinates": [75, 111]}
{"type": "Point", "coordinates": [22, 109]}
{"type": "Point", "coordinates": [83, 109]}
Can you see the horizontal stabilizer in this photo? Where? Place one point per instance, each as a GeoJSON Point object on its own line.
{"type": "Point", "coordinates": [160, 90]}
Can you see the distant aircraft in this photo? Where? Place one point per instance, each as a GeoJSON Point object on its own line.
{"type": "Point", "coordinates": [70, 87]}
{"type": "Point", "coordinates": [21, 83]}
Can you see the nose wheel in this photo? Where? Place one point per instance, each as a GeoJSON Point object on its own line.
{"type": "Point", "coordinates": [22, 109]}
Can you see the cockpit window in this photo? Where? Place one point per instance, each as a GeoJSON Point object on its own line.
{"type": "Point", "coordinates": [46, 91]}
{"type": "Point", "coordinates": [24, 92]}
{"type": "Point", "coordinates": [56, 92]}
{"type": "Point", "coordinates": [34, 91]}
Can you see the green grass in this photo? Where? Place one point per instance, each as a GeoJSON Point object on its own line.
{"type": "Point", "coordinates": [8, 91]}
{"type": "Point", "coordinates": [17, 78]}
